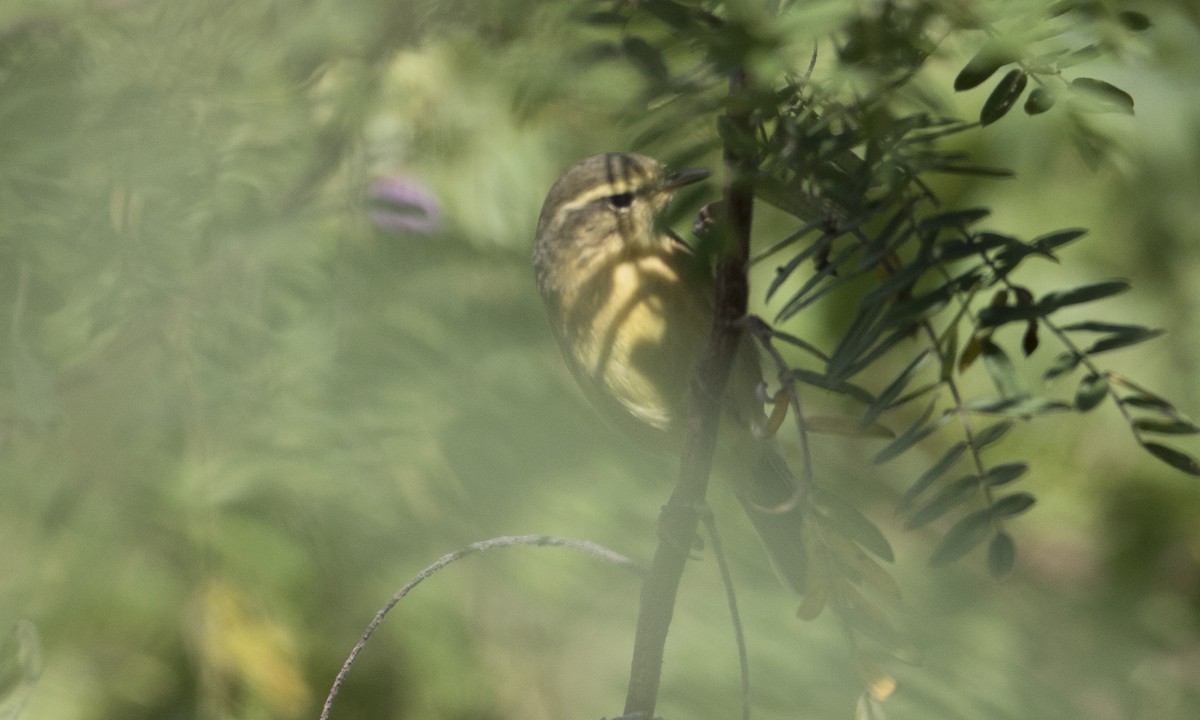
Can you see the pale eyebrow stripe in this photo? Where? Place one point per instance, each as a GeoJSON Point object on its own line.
{"type": "Point", "coordinates": [614, 188]}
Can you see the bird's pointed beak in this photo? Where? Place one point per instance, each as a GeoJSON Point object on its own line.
{"type": "Point", "coordinates": [676, 180]}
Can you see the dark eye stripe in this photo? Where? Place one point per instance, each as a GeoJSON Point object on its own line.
{"type": "Point", "coordinates": [621, 200]}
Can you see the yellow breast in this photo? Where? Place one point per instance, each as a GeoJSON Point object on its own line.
{"type": "Point", "coordinates": [623, 351]}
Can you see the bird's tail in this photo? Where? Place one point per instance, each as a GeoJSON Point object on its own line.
{"type": "Point", "coordinates": [769, 496]}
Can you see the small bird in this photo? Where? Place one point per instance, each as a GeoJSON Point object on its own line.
{"type": "Point", "coordinates": [631, 308]}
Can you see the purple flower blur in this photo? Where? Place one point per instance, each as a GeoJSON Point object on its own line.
{"type": "Point", "coordinates": [400, 203]}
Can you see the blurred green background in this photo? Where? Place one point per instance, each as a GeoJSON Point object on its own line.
{"type": "Point", "coordinates": [237, 411]}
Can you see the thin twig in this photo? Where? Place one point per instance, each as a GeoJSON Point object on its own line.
{"type": "Point", "coordinates": [735, 618]}
{"type": "Point", "coordinates": [585, 546]}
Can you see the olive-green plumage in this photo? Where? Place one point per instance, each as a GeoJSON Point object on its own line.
{"type": "Point", "coordinates": [632, 311]}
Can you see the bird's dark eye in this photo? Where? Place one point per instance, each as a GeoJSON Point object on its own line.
{"type": "Point", "coordinates": [621, 200]}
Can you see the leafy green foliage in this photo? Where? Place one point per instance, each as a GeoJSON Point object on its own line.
{"type": "Point", "coordinates": [237, 411]}
{"type": "Point", "coordinates": [846, 156]}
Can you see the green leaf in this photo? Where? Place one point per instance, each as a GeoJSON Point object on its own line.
{"type": "Point", "coordinates": [962, 538]}
{"type": "Point", "coordinates": [1038, 101]}
{"type": "Point", "coordinates": [953, 219]}
{"type": "Point", "coordinates": [997, 315]}
{"type": "Point", "coordinates": [1052, 241]}
{"type": "Point", "coordinates": [841, 387]}
{"type": "Point", "coordinates": [1002, 99]}
{"type": "Point", "coordinates": [978, 69]}
{"type": "Point", "coordinates": [1078, 56]}
{"type": "Point", "coordinates": [1148, 402]}
{"type": "Point", "coordinates": [1091, 392]}
{"type": "Point", "coordinates": [1029, 341]}
{"type": "Point", "coordinates": [915, 433]}
{"type": "Point", "coordinates": [646, 58]}
{"type": "Point", "coordinates": [677, 15]}
{"type": "Point", "coordinates": [849, 521]}
{"type": "Point", "coordinates": [1172, 426]}
{"type": "Point", "coordinates": [799, 343]}
{"type": "Point", "coordinates": [1175, 458]}
{"type": "Point", "coordinates": [1023, 407]}
{"type": "Point", "coordinates": [1121, 339]}
{"type": "Point", "coordinates": [1002, 371]}
{"type": "Point", "coordinates": [928, 477]}
{"type": "Point", "coordinates": [1134, 21]}
{"type": "Point", "coordinates": [973, 170]}
{"type": "Point", "coordinates": [956, 249]}
{"type": "Point", "coordinates": [864, 330]}
{"type": "Point", "coordinates": [912, 310]}
{"type": "Point", "coordinates": [947, 349]}
{"type": "Point", "coordinates": [1103, 327]}
{"type": "Point", "coordinates": [948, 497]}
{"type": "Point", "coordinates": [1063, 364]}
{"type": "Point", "coordinates": [1083, 294]}
{"type": "Point", "coordinates": [808, 292]}
{"type": "Point", "coordinates": [1006, 473]}
{"type": "Point", "coordinates": [1001, 554]}
{"type": "Point", "coordinates": [970, 353]}
{"type": "Point", "coordinates": [1109, 97]}
{"type": "Point", "coordinates": [893, 390]}
{"type": "Point", "coordinates": [1011, 505]}
{"type": "Point", "coordinates": [783, 272]}
{"type": "Point", "coordinates": [992, 433]}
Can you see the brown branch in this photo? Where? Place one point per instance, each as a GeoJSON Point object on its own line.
{"type": "Point", "coordinates": [680, 516]}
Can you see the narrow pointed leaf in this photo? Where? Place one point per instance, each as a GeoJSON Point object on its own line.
{"type": "Point", "coordinates": [1147, 402]}
{"type": "Point", "coordinates": [1084, 294]}
{"type": "Point", "coordinates": [928, 477]}
{"type": "Point", "coordinates": [953, 219]}
{"type": "Point", "coordinates": [904, 314]}
{"type": "Point", "coordinates": [1175, 458]}
{"type": "Point", "coordinates": [992, 433]}
{"type": "Point", "coordinates": [1176, 426]}
{"type": "Point", "coordinates": [1110, 97]}
{"type": "Point", "coordinates": [784, 272]}
{"type": "Point", "coordinates": [1017, 407]}
{"type": "Point", "coordinates": [981, 67]}
{"type": "Point", "coordinates": [948, 351]}
{"type": "Point", "coordinates": [947, 498]}
{"type": "Point", "coordinates": [850, 522]}
{"type": "Point", "coordinates": [956, 249]}
{"type": "Point", "coordinates": [997, 315]}
{"type": "Point", "coordinates": [1006, 473]}
{"type": "Point", "coordinates": [1103, 327]}
{"type": "Point", "coordinates": [1011, 505]}
{"type": "Point", "coordinates": [1052, 241]}
{"type": "Point", "coordinates": [800, 343]}
{"type": "Point", "coordinates": [893, 390]}
{"type": "Point", "coordinates": [850, 390]}
{"type": "Point", "coordinates": [1004, 97]}
{"type": "Point", "coordinates": [973, 170]}
{"type": "Point", "coordinates": [1002, 371]}
{"type": "Point", "coordinates": [1064, 363]}
{"type": "Point", "coordinates": [1121, 339]}
{"type": "Point", "coordinates": [915, 433]}
{"type": "Point", "coordinates": [970, 353]}
{"type": "Point", "coordinates": [962, 537]}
